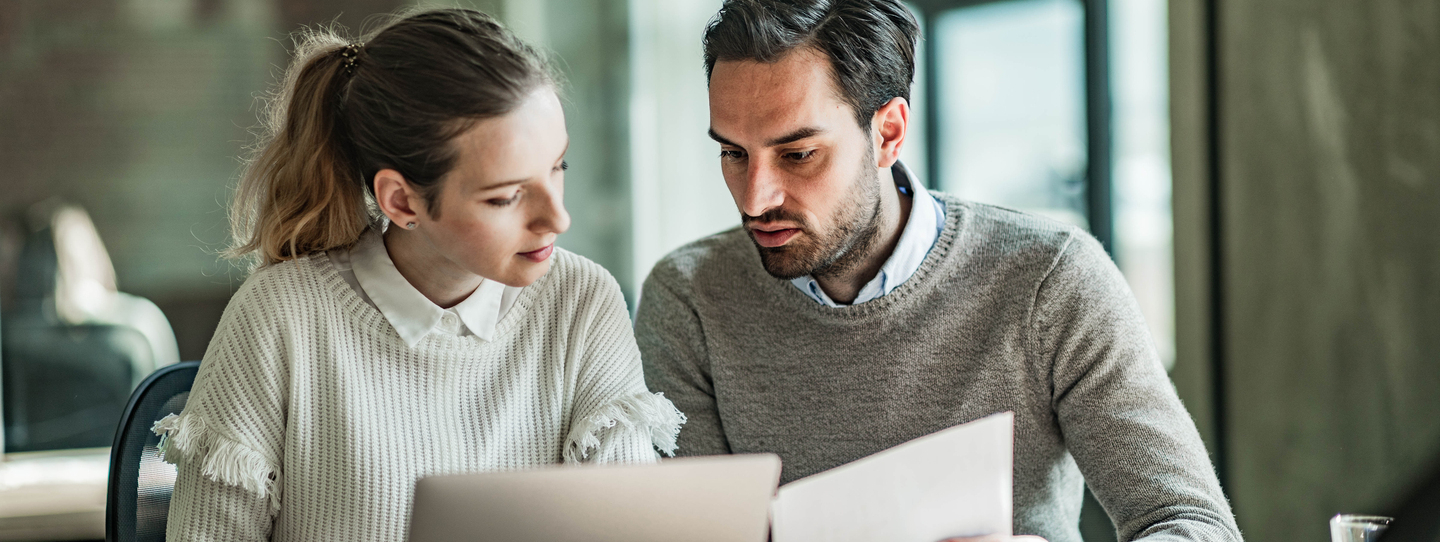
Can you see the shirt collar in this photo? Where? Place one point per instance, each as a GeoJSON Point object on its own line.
{"type": "Point", "coordinates": [411, 313]}
{"type": "Point", "coordinates": [922, 229]}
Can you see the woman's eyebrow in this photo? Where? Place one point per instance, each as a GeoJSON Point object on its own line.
{"type": "Point", "coordinates": [501, 184]}
{"type": "Point", "coordinates": [563, 150]}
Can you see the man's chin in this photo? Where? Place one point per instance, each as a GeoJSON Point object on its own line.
{"type": "Point", "coordinates": [781, 262]}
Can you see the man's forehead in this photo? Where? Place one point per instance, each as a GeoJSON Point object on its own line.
{"type": "Point", "coordinates": [801, 66]}
{"type": "Point", "coordinates": [770, 99]}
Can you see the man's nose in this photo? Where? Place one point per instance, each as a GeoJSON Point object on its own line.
{"type": "Point", "coordinates": [762, 190]}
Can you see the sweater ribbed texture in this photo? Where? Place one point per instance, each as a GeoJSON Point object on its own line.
{"type": "Point", "coordinates": [311, 419]}
{"type": "Point", "coordinates": [1008, 312]}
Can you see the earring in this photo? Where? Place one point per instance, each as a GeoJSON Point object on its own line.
{"type": "Point", "coordinates": [409, 225]}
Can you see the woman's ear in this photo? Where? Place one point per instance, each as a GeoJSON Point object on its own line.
{"type": "Point", "coordinates": [400, 202]}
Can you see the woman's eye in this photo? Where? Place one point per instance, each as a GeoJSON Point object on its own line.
{"type": "Point", "coordinates": [499, 202]}
{"type": "Point", "coordinates": [564, 165]}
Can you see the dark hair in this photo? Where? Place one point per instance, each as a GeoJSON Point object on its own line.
{"type": "Point", "coordinates": [394, 99]}
{"type": "Point", "coordinates": [870, 43]}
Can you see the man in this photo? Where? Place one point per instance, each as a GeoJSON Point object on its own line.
{"type": "Point", "coordinates": [853, 311]}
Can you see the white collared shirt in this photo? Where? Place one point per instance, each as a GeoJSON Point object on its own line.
{"type": "Point", "coordinates": [368, 269]}
{"type": "Point", "coordinates": [921, 231]}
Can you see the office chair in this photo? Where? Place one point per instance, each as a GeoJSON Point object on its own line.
{"type": "Point", "coordinates": [74, 347]}
{"type": "Point", "coordinates": [137, 504]}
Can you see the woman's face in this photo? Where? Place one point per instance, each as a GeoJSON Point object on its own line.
{"type": "Point", "coordinates": [501, 207]}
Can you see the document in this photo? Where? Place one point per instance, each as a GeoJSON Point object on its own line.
{"type": "Point", "coordinates": [956, 482]}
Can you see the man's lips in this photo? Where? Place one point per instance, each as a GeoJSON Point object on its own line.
{"type": "Point", "coordinates": [773, 237]}
{"type": "Point", "coordinates": [539, 255]}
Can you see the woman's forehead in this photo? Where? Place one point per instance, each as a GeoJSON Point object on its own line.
{"type": "Point", "coordinates": [515, 146]}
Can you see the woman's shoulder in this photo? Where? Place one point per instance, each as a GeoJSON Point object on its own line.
{"type": "Point", "coordinates": [571, 270]}
{"type": "Point", "coordinates": [576, 283]}
{"type": "Point", "coordinates": [286, 287]}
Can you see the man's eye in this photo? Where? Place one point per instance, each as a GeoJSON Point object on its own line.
{"type": "Point", "coordinates": [800, 156]}
{"type": "Point", "coordinates": [498, 202]}
{"type": "Point", "coordinates": [731, 155]}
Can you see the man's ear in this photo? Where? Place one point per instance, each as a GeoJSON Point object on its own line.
{"type": "Point", "coordinates": [400, 202]}
{"type": "Point", "coordinates": [888, 128]}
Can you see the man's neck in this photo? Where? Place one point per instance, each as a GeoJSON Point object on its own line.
{"type": "Point", "coordinates": [845, 286]}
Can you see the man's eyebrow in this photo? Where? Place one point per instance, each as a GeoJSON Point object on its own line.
{"type": "Point", "coordinates": [791, 137]}
{"type": "Point", "coordinates": [719, 139]}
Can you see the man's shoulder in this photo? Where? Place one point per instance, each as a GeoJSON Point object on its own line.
{"type": "Point", "coordinates": [1003, 225]}
{"type": "Point", "coordinates": [1006, 241]}
{"type": "Point", "coordinates": [721, 256]}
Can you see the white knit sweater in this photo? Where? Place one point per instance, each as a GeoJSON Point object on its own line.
{"type": "Point", "coordinates": [311, 419]}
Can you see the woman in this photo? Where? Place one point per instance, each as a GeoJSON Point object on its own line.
{"type": "Point", "coordinates": [359, 357]}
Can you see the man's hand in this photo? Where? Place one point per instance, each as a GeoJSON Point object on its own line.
{"type": "Point", "coordinates": [996, 538]}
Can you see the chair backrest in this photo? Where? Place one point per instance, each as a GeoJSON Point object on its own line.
{"type": "Point", "coordinates": [138, 501]}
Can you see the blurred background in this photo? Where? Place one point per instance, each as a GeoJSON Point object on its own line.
{"type": "Point", "coordinates": [1266, 173]}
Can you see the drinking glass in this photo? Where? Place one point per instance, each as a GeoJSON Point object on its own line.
{"type": "Point", "coordinates": [1357, 528]}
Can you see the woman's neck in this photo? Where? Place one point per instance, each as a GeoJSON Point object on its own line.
{"type": "Point", "coordinates": [436, 277]}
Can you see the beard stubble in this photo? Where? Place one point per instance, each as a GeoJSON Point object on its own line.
{"type": "Point", "coordinates": [837, 250]}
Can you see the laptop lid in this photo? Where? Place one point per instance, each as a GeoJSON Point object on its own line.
{"type": "Point", "coordinates": [701, 499]}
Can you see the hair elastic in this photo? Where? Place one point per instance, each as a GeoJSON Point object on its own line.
{"type": "Point", "coordinates": [351, 53]}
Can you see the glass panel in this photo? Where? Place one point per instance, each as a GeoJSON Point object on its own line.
{"type": "Point", "coordinates": [1012, 105]}
{"type": "Point", "coordinates": [1143, 221]}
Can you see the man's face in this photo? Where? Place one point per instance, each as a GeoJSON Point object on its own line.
{"type": "Point", "coordinates": [802, 172]}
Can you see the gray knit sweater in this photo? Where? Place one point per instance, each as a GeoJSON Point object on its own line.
{"type": "Point", "coordinates": [1008, 312]}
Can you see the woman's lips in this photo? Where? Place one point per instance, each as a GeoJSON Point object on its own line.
{"type": "Point", "coordinates": [775, 238]}
{"type": "Point", "coordinates": [540, 255]}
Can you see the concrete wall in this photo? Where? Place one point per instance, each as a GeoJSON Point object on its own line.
{"type": "Point", "coordinates": [1329, 184]}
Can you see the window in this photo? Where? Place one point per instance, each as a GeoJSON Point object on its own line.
{"type": "Point", "coordinates": [1011, 127]}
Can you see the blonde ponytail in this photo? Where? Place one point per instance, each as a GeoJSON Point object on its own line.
{"type": "Point", "coordinates": [301, 193]}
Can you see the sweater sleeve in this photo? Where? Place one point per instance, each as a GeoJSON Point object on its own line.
{"type": "Point", "coordinates": [203, 509]}
{"type": "Point", "coordinates": [227, 442]}
{"type": "Point", "coordinates": [616, 418]}
{"type": "Point", "coordinates": [1121, 419]}
{"type": "Point", "coordinates": [673, 345]}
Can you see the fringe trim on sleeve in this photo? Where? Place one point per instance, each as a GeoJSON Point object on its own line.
{"type": "Point", "coordinates": [184, 437]}
{"type": "Point", "coordinates": [647, 413]}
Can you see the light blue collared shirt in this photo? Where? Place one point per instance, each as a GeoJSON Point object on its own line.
{"type": "Point", "coordinates": [921, 231]}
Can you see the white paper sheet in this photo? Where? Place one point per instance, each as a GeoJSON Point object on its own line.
{"type": "Point", "coordinates": [956, 482]}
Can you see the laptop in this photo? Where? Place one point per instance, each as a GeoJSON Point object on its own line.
{"type": "Point", "coordinates": [701, 499]}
